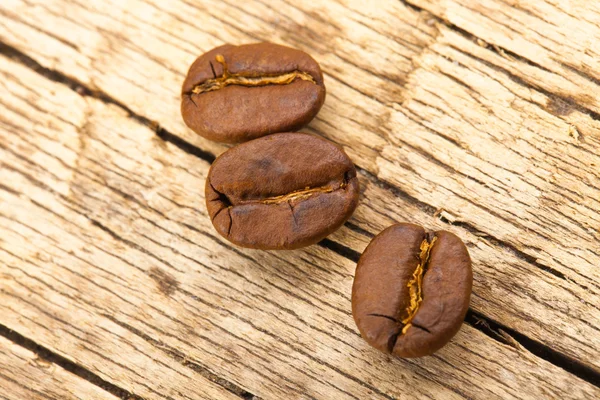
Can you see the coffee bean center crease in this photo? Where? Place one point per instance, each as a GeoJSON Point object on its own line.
{"type": "Point", "coordinates": [415, 284]}
{"type": "Point", "coordinates": [301, 194]}
{"type": "Point", "coordinates": [227, 79]}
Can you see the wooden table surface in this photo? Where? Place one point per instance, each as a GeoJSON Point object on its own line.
{"type": "Point", "coordinates": [481, 117]}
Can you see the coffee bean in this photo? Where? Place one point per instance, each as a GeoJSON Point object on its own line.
{"type": "Point", "coordinates": [236, 93]}
{"type": "Point", "coordinates": [411, 290]}
{"type": "Point", "coordinates": [282, 191]}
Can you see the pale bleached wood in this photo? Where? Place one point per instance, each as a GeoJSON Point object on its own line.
{"type": "Point", "coordinates": [108, 256]}
{"type": "Point", "coordinates": [558, 38]}
{"type": "Point", "coordinates": [415, 104]}
{"type": "Point", "coordinates": [24, 375]}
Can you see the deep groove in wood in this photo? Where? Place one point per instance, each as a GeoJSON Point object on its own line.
{"type": "Point", "coordinates": [68, 365]}
{"type": "Point", "coordinates": [428, 209]}
{"type": "Point", "coordinates": [83, 90]}
{"type": "Point", "coordinates": [359, 230]}
{"type": "Point", "coordinates": [340, 249]}
{"type": "Point", "coordinates": [182, 359]}
{"type": "Point", "coordinates": [495, 331]}
{"type": "Point", "coordinates": [184, 145]}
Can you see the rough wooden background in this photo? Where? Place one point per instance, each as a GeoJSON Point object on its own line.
{"type": "Point", "coordinates": [481, 117]}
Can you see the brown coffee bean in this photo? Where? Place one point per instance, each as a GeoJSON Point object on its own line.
{"type": "Point", "coordinates": [236, 93]}
{"type": "Point", "coordinates": [282, 191]}
{"type": "Point", "coordinates": [411, 290]}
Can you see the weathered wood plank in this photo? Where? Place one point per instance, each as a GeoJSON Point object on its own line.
{"type": "Point", "coordinates": [108, 256]}
{"type": "Point", "coordinates": [23, 375]}
{"type": "Point", "coordinates": [556, 41]}
{"type": "Point", "coordinates": [515, 166]}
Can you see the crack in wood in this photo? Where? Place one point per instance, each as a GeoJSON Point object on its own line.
{"type": "Point", "coordinates": [428, 209]}
{"type": "Point", "coordinates": [186, 361]}
{"type": "Point", "coordinates": [510, 337]}
{"type": "Point", "coordinates": [48, 355]}
{"type": "Point", "coordinates": [521, 82]}
{"type": "Point", "coordinates": [504, 53]}
{"type": "Point", "coordinates": [83, 90]}
{"type": "Point", "coordinates": [340, 249]}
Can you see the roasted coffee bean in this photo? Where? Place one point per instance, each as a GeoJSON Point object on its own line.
{"type": "Point", "coordinates": [282, 191]}
{"type": "Point", "coordinates": [236, 93]}
{"type": "Point", "coordinates": [411, 290]}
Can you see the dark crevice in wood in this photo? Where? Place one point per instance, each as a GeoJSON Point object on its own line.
{"type": "Point", "coordinates": [492, 47]}
{"type": "Point", "coordinates": [554, 97]}
{"type": "Point", "coordinates": [68, 365]}
{"type": "Point", "coordinates": [513, 249]}
{"type": "Point", "coordinates": [55, 76]}
{"type": "Point", "coordinates": [582, 74]}
{"type": "Point", "coordinates": [500, 243]}
{"type": "Point", "coordinates": [465, 225]}
{"type": "Point", "coordinates": [464, 32]}
{"type": "Point", "coordinates": [359, 230]}
{"type": "Point", "coordinates": [184, 145]}
{"type": "Point", "coordinates": [59, 77]}
{"type": "Point", "coordinates": [340, 249]}
{"type": "Point", "coordinates": [415, 8]}
{"type": "Point", "coordinates": [397, 191]}
{"type": "Point", "coordinates": [184, 360]}
{"type": "Point", "coordinates": [504, 335]}
{"type": "Point", "coordinates": [481, 323]}
{"type": "Point", "coordinates": [83, 90]}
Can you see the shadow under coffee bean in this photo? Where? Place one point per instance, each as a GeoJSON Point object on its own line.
{"type": "Point", "coordinates": [282, 191]}
{"type": "Point", "coordinates": [411, 290]}
{"type": "Point", "coordinates": [236, 93]}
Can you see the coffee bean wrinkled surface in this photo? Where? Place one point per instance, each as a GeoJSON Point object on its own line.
{"type": "Point", "coordinates": [282, 191]}
{"type": "Point", "coordinates": [233, 94]}
{"type": "Point", "coordinates": [411, 290]}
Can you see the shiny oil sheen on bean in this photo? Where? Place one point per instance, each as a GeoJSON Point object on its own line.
{"type": "Point", "coordinates": [282, 191]}
{"type": "Point", "coordinates": [411, 290]}
{"type": "Point", "coordinates": [237, 93]}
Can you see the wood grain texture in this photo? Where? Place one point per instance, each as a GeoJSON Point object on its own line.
{"type": "Point", "coordinates": [488, 132]}
{"type": "Point", "coordinates": [109, 257]}
{"type": "Point", "coordinates": [555, 40]}
{"type": "Point", "coordinates": [23, 375]}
